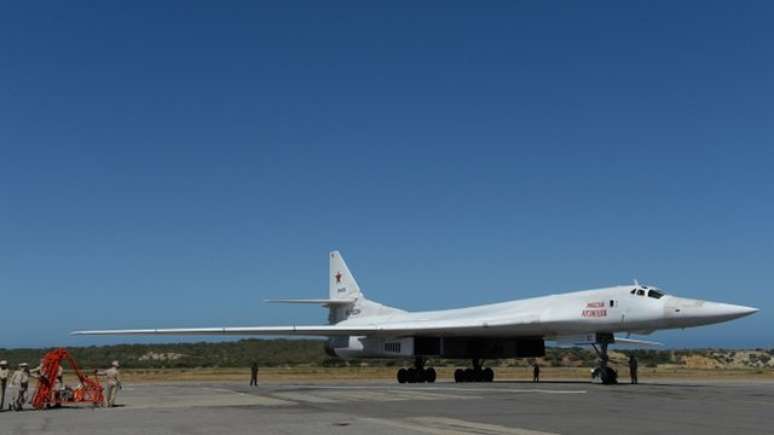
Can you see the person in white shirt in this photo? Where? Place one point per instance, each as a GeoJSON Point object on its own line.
{"type": "Point", "coordinates": [21, 381]}
{"type": "Point", "coordinates": [113, 383]}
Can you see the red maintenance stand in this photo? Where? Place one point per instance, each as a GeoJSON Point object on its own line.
{"type": "Point", "coordinates": [89, 390]}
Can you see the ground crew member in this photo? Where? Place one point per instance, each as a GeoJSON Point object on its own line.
{"type": "Point", "coordinates": [56, 385]}
{"type": "Point", "coordinates": [113, 383]}
{"type": "Point", "coordinates": [20, 380]}
{"type": "Point", "coordinates": [3, 382]}
{"type": "Point", "coordinates": [37, 370]}
{"type": "Point", "coordinates": [633, 369]}
{"type": "Point", "coordinates": [536, 372]}
{"type": "Point", "coordinates": [254, 375]}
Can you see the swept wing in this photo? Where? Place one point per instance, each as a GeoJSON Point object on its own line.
{"type": "Point", "coordinates": [395, 328]}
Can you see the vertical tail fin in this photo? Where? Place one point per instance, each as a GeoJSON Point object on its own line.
{"type": "Point", "coordinates": [342, 284]}
{"type": "Point", "coordinates": [345, 299]}
{"type": "Point", "coordinates": [344, 287]}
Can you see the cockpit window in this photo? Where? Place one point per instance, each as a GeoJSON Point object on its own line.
{"type": "Point", "coordinates": [640, 292]}
{"type": "Point", "coordinates": [633, 291]}
{"type": "Point", "coordinates": [655, 294]}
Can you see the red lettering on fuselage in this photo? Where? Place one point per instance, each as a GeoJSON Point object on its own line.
{"type": "Point", "coordinates": [594, 309]}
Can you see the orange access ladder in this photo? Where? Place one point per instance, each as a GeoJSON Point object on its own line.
{"type": "Point", "coordinates": [89, 390]}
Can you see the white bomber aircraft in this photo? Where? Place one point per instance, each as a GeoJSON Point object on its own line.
{"type": "Point", "coordinates": [360, 328]}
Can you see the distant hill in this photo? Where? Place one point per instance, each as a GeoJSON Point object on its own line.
{"type": "Point", "coordinates": [282, 352]}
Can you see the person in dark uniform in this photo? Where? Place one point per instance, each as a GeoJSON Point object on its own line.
{"type": "Point", "coordinates": [535, 372]}
{"type": "Point", "coordinates": [633, 368]}
{"type": "Point", "coordinates": [254, 375]}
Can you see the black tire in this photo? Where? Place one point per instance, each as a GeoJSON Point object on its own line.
{"type": "Point", "coordinates": [430, 375]}
{"type": "Point", "coordinates": [488, 375]}
{"type": "Point", "coordinates": [420, 376]}
{"type": "Point", "coordinates": [470, 375]}
{"type": "Point", "coordinates": [459, 375]}
{"type": "Point", "coordinates": [609, 376]}
{"type": "Point", "coordinates": [402, 376]}
{"type": "Point", "coordinates": [411, 376]}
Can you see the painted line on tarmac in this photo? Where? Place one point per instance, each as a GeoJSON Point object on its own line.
{"type": "Point", "coordinates": [390, 395]}
{"type": "Point", "coordinates": [487, 390]}
{"type": "Point", "coordinates": [363, 396]}
{"type": "Point", "coordinates": [512, 390]}
{"type": "Point", "coordinates": [204, 397]}
{"type": "Point", "coordinates": [452, 426]}
{"type": "Point", "coordinates": [416, 394]}
{"type": "Point", "coordinates": [371, 395]}
{"type": "Point", "coordinates": [302, 397]}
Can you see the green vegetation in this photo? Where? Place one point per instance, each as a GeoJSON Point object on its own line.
{"type": "Point", "coordinates": [267, 353]}
{"type": "Point", "coordinates": [283, 352]}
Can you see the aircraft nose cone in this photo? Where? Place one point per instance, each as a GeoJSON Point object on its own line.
{"type": "Point", "coordinates": [694, 312]}
{"type": "Point", "coordinates": [727, 311]}
{"type": "Point", "coordinates": [746, 311]}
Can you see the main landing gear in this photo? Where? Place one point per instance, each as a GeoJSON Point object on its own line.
{"type": "Point", "coordinates": [417, 374]}
{"type": "Point", "coordinates": [474, 374]}
{"type": "Point", "coordinates": [603, 373]}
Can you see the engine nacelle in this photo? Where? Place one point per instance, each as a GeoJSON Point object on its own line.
{"type": "Point", "coordinates": [345, 347]}
{"type": "Point", "coordinates": [445, 347]}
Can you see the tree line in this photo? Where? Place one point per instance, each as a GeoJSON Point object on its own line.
{"type": "Point", "coordinates": [284, 352]}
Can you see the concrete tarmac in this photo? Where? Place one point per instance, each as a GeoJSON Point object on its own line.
{"type": "Point", "coordinates": [677, 406]}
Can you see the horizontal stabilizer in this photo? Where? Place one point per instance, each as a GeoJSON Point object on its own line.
{"type": "Point", "coordinates": [311, 301]}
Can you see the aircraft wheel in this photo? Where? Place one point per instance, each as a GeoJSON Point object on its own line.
{"type": "Point", "coordinates": [459, 375]}
{"type": "Point", "coordinates": [420, 375]}
{"type": "Point", "coordinates": [402, 376]}
{"type": "Point", "coordinates": [430, 375]}
{"type": "Point", "coordinates": [609, 376]}
{"type": "Point", "coordinates": [488, 375]}
{"type": "Point", "coordinates": [470, 375]}
{"type": "Point", "coordinates": [411, 375]}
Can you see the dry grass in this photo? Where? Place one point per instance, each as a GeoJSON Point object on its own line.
{"type": "Point", "coordinates": [359, 374]}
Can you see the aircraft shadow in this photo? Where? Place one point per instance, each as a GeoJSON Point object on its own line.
{"type": "Point", "coordinates": [619, 384]}
{"type": "Point", "coordinates": [548, 381]}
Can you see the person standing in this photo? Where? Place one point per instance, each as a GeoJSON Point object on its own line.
{"type": "Point", "coordinates": [254, 375]}
{"type": "Point", "coordinates": [21, 381]}
{"type": "Point", "coordinates": [536, 372]}
{"type": "Point", "coordinates": [4, 373]}
{"type": "Point", "coordinates": [113, 383]}
{"type": "Point", "coordinates": [633, 369]}
{"type": "Point", "coordinates": [37, 371]}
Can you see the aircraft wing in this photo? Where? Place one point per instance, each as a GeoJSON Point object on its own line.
{"type": "Point", "coordinates": [326, 302]}
{"type": "Point", "coordinates": [323, 330]}
{"type": "Point", "coordinates": [413, 327]}
{"type": "Point", "coordinates": [632, 341]}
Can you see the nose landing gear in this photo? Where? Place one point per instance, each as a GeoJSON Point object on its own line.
{"type": "Point", "coordinates": [475, 374]}
{"type": "Point", "coordinates": [603, 373]}
{"type": "Point", "coordinates": [417, 374]}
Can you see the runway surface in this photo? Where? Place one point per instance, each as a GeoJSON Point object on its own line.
{"type": "Point", "coordinates": [443, 408]}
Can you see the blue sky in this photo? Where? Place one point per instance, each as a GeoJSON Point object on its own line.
{"type": "Point", "coordinates": [175, 163]}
